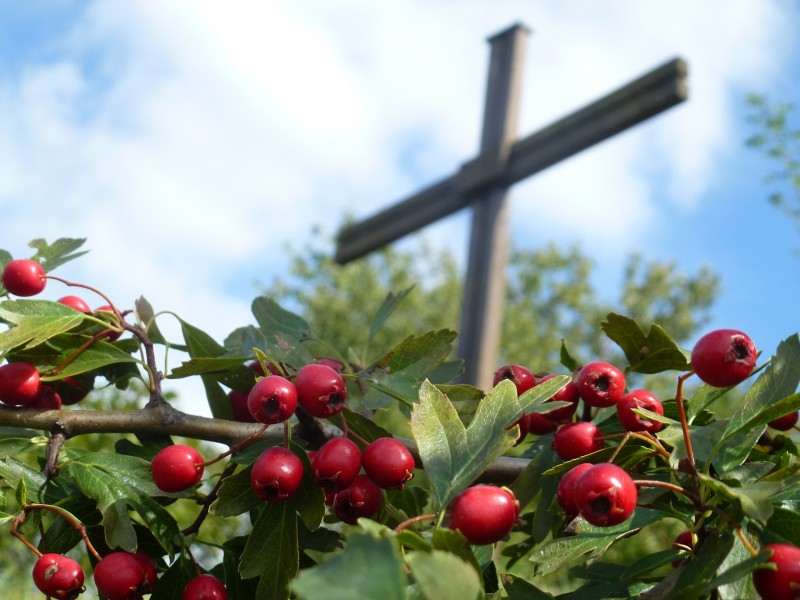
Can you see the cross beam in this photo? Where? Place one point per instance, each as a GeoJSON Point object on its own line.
{"type": "Point", "coordinates": [503, 161]}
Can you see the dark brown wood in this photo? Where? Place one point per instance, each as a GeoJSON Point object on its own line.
{"type": "Point", "coordinates": [482, 184]}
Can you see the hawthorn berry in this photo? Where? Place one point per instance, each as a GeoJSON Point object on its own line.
{"type": "Point", "coordinates": [362, 498]}
{"type": "Point", "coordinates": [272, 399]}
{"type": "Point", "coordinates": [58, 576]}
{"type": "Point", "coordinates": [239, 407]}
{"type": "Point", "coordinates": [276, 474]}
{"type": "Point", "coordinates": [568, 393]}
{"type": "Point", "coordinates": [205, 587]}
{"type": "Point", "coordinates": [120, 576]}
{"type": "Point", "coordinates": [565, 492]}
{"type": "Point", "coordinates": [600, 384]}
{"type": "Point", "coordinates": [522, 377]}
{"type": "Point", "coordinates": [46, 399]}
{"type": "Point", "coordinates": [631, 421]}
{"type": "Point", "coordinates": [724, 357]}
{"type": "Point", "coordinates": [484, 514]}
{"type": "Point", "coordinates": [606, 495]}
{"type": "Point", "coordinates": [320, 390]}
{"type": "Point", "coordinates": [150, 572]}
{"type": "Point", "coordinates": [684, 541]}
{"type": "Point", "coordinates": [24, 277]}
{"type": "Point", "coordinates": [784, 423]}
{"type": "Point", "coordinates": [177, 468]}
{"type": "Point", "coordinates": [574, 440]}
{"type": "Point", "coordinates": [75, 302]}
{"type": "Point", "coordinates": [336, 464]}
{"type": "Point", "coordinates": [19, 383]}
{"type": "Point", "coordinates": [388, 463]}
{"type": "Point", "coordinates": [784, 582]}
{"type": "Point", "coordinates": [538, 424]}
{"type": "Point", "coordinates": [71, 390]}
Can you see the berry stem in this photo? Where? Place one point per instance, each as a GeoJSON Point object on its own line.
{"type": "Point", "coordinates": [19, 520]}
{"type": "Point", "coordinates": [207, 501]}
{"type": "Point", "coordinates": [412, 520]}
{"type": "Point", "coordinates": [684, 423]}
{"type": "Point", "coordinates": [236, 447]}
{"type": "Point", "coordinates": [670, 486]}
{"type": "Point", "coordinates": [69, 518]}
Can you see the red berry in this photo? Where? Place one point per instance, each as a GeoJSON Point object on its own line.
{"type": "Point", "coordinates": [255, 367]}
{"type": "Point", "coordinates": [205, 587]}
{"type": "Point", "coordinates": [273, 399]}
{"type": "Point", "coordinates": [239, 407]}
{"type": "Point", "coordinates": [565, 492]}
{"type": "Point", "coordinates": [46, 399]}
{"type": "Point", "coordinates": [784, 582]}
{"type": "Point", "coordinates": [71, 390]}
{"type": "Point", "coordinates": [19, 383]}
{"type": "Point", "coordinates": [639, 399]}
{"type": "Point", "coordinates": [568, 393]}
{"type": "Point", "coordinates": [320, 390]}
{"type": "Point", "coordinates": [276, 474]}
{"type": "Point", "coordinates": [177, 468]}
{"type": "Point", "coordinates": [332, 363]}
{"type": "Point", "coordinates": [120, 576]}
{"type": "Point", "coordinates": [58, 576]}
{"type": "Point", "coordinates": [574, 440]}
{"type": "Point", "coordinates": [522, 377]}
{"type": "Point", "coordinates": [606, 495]}
{"type": "Point", "coordinates": [336, 464]}
{"type": "Point", "coordinates": [538, 424]}
{"type": "Point", "coordinates": [601, 384]}
{"type": "Point", "coordinates": [684, 541]}
{"type": "Point", "coordinates": [484, 513]}
{"type": "Point", "coordinates": [724, 357]}
{"type": "Point", "coordinates": [24, 277]}
{"type": "Point", "coordinates": [149, 567]}
{"type": "Point", "coordinates": [362, 498]}
{"type": "Point", "coordinates": [784, 423]}
{"type": "Point", "coordinates": [388, 463]}
{"type": "Point", "coordinates": [75, 302]}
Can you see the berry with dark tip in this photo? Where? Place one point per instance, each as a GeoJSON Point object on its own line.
{"type": "Point", "coordinates": [277, 474]}
{"type": "Point", "coordinates": [484, 514]}
{"type": "Point", "coordinates": [724, 357]}
{"type": "Point", "coordinates": [362, 498]}
{"type": "Point", "coordinates": [24, 277]}
{"type": "Point", "coordinates": [631, 421]}
{"type": "Point", "coordinates": [320, 390]}
{"type": "Point", "coordinates": [606, 495]}
{"type": "Point", "coordinates": [522, 377]}
{"type": "Point", "coordinates": [574, 440]}
{"type": "Point", "coordinates": [336, 464]}
{"type": "Point", "coordinates": [272, 399]}
{"type": "Point", "coordinates": [388, 463]}
{"type": "Point", "coordinates": [601, 384]}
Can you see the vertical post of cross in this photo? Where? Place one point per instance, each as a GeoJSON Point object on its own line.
{"type": "Point", "coordinates": [484, 286]}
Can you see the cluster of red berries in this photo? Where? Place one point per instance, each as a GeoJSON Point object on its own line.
{"type": "Point", "coordinates": [118, 576]}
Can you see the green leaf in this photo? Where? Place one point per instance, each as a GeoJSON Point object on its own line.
{"type": "Point", "coordinates": [171, 583]}
{"type": "Point", "coordinates": [118, 528]}
{"type": "Point", "coordinates": [453, 456]}
{"type": "Point", "coordinates": [785, 524]}
{"type": "Point", "coordinates": [567, 359]}
{"type": "Point", "coordinates": [777, 382]}
{"type": "Point", "coordinates": [36, 321]}
{"type": "Point", "coordinates": [146, 313]}
{"type": "Point", "coordinates": [518, 588]}
{"type": "Point", "coordinates": [386, 309]}
{"type": "Point", "coordinates": [37, 486]}
{"type": "Point", "coordinates": [96, 356]}
{"type": "Point", "coordinates": [235, 495]}
{"type": "Point", "coordinates": [198, 343]}
{"type": "Point", "coordinates": [21, 493]}
{"type": "Point", "coordinates": [271, 551]}
{"type": "Point", "coordinates": [59, 252]}
{"type": "Point", "coordinates": [218, 401]}
{"type": "Point", "coordinates": [651, 353]}
{"type": "Point", "coordinates": [754, 499]}
{"type": "Point", "coordinates": [205, 366]}
{"type": "Point", "coordinates": [275, 320]}
{"type": "Point", "coordinates": [444, 576]}
{"type": "Point", "coordinates": [309, 498]}
{"type": "Point", "coordinates": [371, 567]}
{"type": "Point", "coordinates": [454, 542]}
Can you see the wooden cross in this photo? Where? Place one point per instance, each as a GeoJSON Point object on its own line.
{"type": "Point", "coordinates": [503, 160]}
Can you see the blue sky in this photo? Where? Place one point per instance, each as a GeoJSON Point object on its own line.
{"type": "Point", "coordinates": [191, 141]}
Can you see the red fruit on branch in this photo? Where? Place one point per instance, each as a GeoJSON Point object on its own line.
{"type": "Point", "coordinates": [336, 464]}
{"type": "Point", "coordinates": [568, 393]}
{"type": "Point", "coordinates": [75, 302]}
{"type": "Point", "coordinates": [784, 423]}
{"type": "Point", "coordinates": [19, 383]}
{"type": "Point", "coordinates": [601, 384]}
{"type": "Point", "coordinates": [277, 474]}
{"type": "Point", "coordinates": [639, 399]}
{"type": "Point", "coordinates": [388, 463]}
{"type": "Point", "coordinates": [784, 582]}
{"type": "Point", "coordinates": [362, 498]}
{"type": "Point", "coordinates": [606, 495]}
{"type": "Point", "coordinates": [684, 541]}
{"type": "Point", "coordinates": [538, 424]}
{"type": "Point", "coordinates": [724, 357]}
{"type": "Point", "coordinates": [484, 514]}
{"type": "Point", "coordinates": [24, 277]}
{"type": "Point", "coordinates": [522, 377]}
{"type": "Point", "coordinates": [320, 390]}
{"type": "Point", "coordinates": [58, 576]}
{"type": "Point", "coordinates": [565, 492]}
{"type": "Point", "coordinates": [205, 587]}
{"type": "Point", "coordinates": [272, 399]}
{"type": "Point", "coordinates": [239, 407]}
{"type": "Point", "coordinates": [177, 468]}
{"type": "Point", "coordinates": [574, 440]}
{"type": "Point", "coordinates": [120, 576]}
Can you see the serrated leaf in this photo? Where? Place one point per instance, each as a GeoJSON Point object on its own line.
{"type": "Point", "coordinates": [273, 318]}
{"type": "Point", "coordinates": [37, 486]}
{"type": "Point", "coordinates": [235, 495]}
{"type": "Point", "coordinates": [372, 568]}
{"type": "Point", "coordinates": [271, 551]}
{"type": "Point", "coordinates": [35, 322]}
{"type": "Point", "coordinates": [198, 343]}
{"type": "Point", "coordinates": [754, 499]}
{"type": "Point", "coordinates": [117, 526]}
{"type": "Point", "coordinates": [59, 252]}
{"type": "Point", "coordinates": [453, 456]}
{"type": "Point", "coordinates": [444, 576]}
{"type": "Point", "coordinates": [390, 303]}
{"type": "Point", "coordinates": [96, 356]}
{"type": "Point", "coordinates": [651, 353]}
